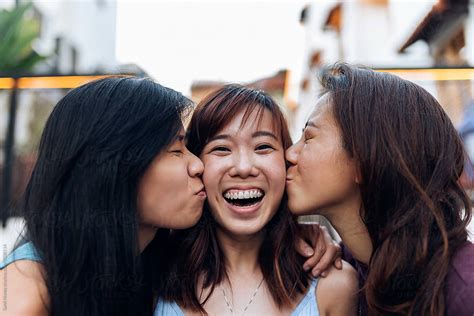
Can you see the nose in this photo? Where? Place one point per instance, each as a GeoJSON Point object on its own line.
{"type": "Point", "coordinates": [195, 166]}
{"type": "Point", "coordinates": [244, 165]}
{"type": "Point", "coordinates": [292, 153]}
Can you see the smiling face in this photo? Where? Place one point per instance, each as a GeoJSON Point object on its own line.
{"type": "Point", "coordinates": [322, 176]}
{"type": "Point", "coordinates": [171, 193]}
{"type": "Point", "coordinates": [244, 173]}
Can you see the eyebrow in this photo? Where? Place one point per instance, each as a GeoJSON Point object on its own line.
{"type": "Point", "coordinates": [220, 136]}
{"type": "Point", "coordinates": [180, 138]}
{"type": "Point", "coordinates": [264, 133]}
{"type": "Point", "coordinates": [256, 134]}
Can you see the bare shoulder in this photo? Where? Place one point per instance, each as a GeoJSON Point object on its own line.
{"type": "Point", "coordinates": [23, 290]}
{"type": "Point", "coordinates": [337, 293]}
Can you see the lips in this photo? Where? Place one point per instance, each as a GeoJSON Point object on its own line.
{"type": "Point", "coordinates": [289, 176]}
{"type": "Point", "coordinates": [201, 193]}
{"type": "Point", "coordinates": [244, 200]}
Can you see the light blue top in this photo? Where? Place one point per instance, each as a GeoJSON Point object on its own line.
{"type": "Point", "coordinates": [307, 307]}
{"type": "Point", "coordinates": [24, 252]}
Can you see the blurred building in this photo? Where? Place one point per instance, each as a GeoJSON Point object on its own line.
{"type": "Point", "coordinates": [276, 85]}
{"type": "Point", "coordinates": [421, 36]}
{"type": "Point", "coordinates": [77, 36]}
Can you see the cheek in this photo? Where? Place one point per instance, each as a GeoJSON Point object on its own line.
{"type": "Point", "coordinates": [209, 178]}
{"type": "Point", "coordinates": [214, 170]}
{"type": "Point", "coordinates": [276, 172]}
{"type": "Point", "coordinates": [308, 163]}
{"type": "Point", "coordinates": [174, 177]}
{"type": "Point", "coordinates": [315, 167]}
{"type": "Point", "coordinates": [280, 174]}
{"type": "Point", "coordinates": [168, 189]}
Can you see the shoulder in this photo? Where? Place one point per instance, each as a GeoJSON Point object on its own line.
{"type": "Point", "coordinates": [23, 289]}
{"type": "Point", "coordinates": [337, 293]}
{"type": "Point", "coordinates": [460, 280]}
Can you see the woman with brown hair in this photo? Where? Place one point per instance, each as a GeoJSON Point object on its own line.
{"type": "Point", "coordinates": [240, 257]}
{"type": "Point", "coordinates": [381, 160]}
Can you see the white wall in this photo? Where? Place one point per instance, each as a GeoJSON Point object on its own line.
{"type": "Point", "coordinates": [88, 25]}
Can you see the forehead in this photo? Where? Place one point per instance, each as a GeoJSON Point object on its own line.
{"type": "Point", "coordinates": [247, 122]}
{"type": "Point", "coordinates": [321, 108]}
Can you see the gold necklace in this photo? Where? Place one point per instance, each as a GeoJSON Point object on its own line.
{"type": "Point", "coordinates": [229, 305]}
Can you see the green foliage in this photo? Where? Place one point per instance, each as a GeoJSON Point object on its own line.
{"type": "Point", "coordinates": [17, 33]}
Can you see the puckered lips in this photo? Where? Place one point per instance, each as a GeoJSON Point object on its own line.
{"type": "Point", "coordinates": [201, 193]}
{"type": "Point", "coordinates": [244, 200]}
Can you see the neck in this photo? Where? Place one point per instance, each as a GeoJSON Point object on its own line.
{"type": "Point", "coordinates": [146, 233]}
{"type": "Point", "coordinates": [241, 252]}
{"type": "Point", "coordinates": [355, 236]}
{"type": "Point", "coordinates": [353, 232]}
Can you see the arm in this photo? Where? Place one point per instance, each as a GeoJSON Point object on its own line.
{"type": "Point", "coordinates": [23, 290]}
{"type": "Point", "coordinates": [337, 293]}
{"type": "Point", "coordinates": [322, 252]}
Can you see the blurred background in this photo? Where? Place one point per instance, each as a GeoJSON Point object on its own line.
{"type": "Point", "coordinates": [49, 47]}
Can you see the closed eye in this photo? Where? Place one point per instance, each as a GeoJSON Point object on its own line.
{"type": "Point", "coordinates": [177, 152]}
{"type": "Point", "coordinates": [306, 136]}
{"type": "Point", "coordinates": [220, 149]}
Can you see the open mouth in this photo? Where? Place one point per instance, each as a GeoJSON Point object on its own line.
{"type": "Point", "coordinates": [244, 198]}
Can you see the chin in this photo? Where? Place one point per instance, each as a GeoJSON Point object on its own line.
{"type": "Point", "coordinates": [189, 220]}
{"type": "Point", "coordinates": [195, 220]}
{"type": "Point", "coordinates": [245, 229]}
{"type": "Point", "coordinates": [296, 209]}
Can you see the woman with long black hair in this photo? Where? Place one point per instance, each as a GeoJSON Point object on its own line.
{"type": "Point", "coordinates": [112, 170]}
{"type": "Point", "coordinates": [381, 160]}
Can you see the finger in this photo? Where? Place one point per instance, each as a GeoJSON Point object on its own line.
{"type": "Point", "coordinates": [333, 245]}
{"type": "Point", "coordinates": [312, 261]}
{"type": "Point", "coordinates": [313, 233]}
{"type": "Point", "coordinates": [307, 236]}
{"type": "Point", "coordinates": [338, 264]}
{"type": "Point", "coordinates": [304, 248]}
{"type": "Point", "coordinates": [323, 266]}
{"type": "Point", "coordinates": [331, 255]}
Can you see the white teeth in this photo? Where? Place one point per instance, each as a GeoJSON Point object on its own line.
{"type": "Point", "coordinates": [247, 194]}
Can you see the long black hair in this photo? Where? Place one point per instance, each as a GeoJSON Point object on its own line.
{"type": "Point", "coordinates": [80, 205]}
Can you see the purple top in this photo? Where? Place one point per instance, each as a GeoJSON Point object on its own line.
{"type": "Point", "coordinates": [459, 286]}
{"type": "Point", "coordinates": [362, 271]}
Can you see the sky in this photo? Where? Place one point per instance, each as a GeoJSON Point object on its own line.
{"type": "Point", "coordinates": [178, 42]}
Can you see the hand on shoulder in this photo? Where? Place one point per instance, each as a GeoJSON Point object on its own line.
{"type": "Point", "coordinates": [23, 290]}
{"type": "Point", "coordinates": [337, 293]}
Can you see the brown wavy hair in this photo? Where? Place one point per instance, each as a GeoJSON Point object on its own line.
{"type": "Point", "coordinates": [198, 256]}
{"type": "Point", "coordinates": [410, 158]}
